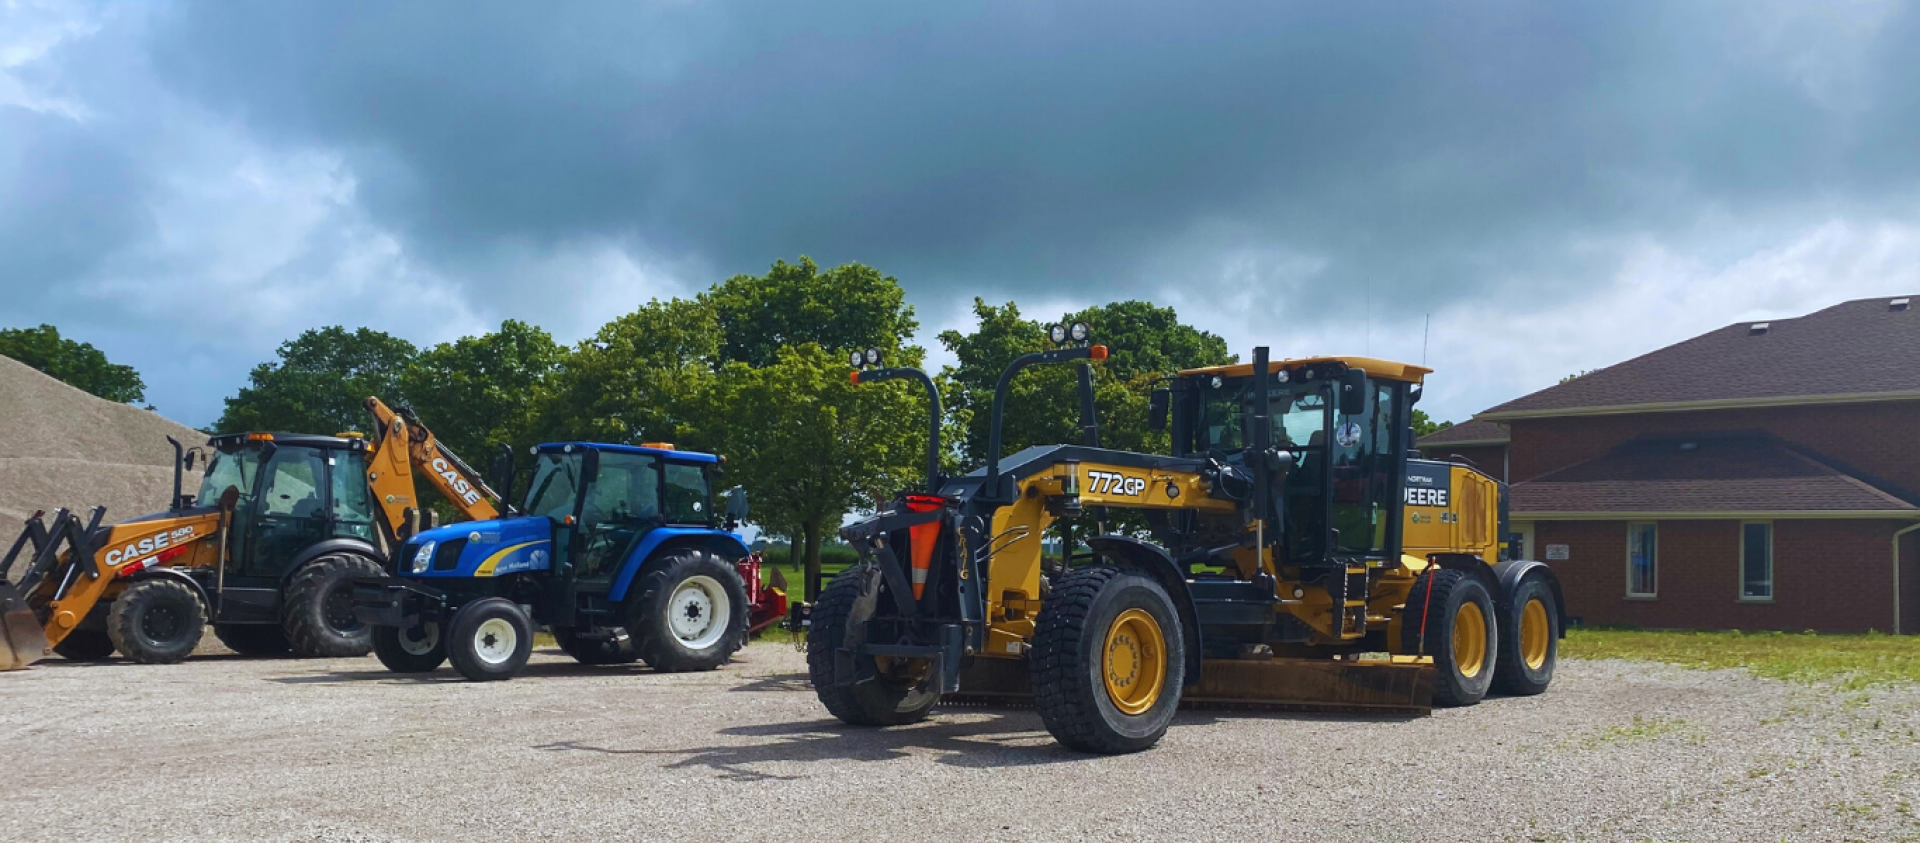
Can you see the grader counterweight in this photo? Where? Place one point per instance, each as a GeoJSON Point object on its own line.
{"type": "Point", "coordinates": [1281, 565]}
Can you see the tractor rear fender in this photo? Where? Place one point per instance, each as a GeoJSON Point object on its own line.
{"type": "Point", "coordinates": [1513, 572]}
{"type": "Point", "coordinates": [647, 552]}
{"type": "Point", "coordinates": [1151, 560]}
{"type": "Point", "coordinates": [206, 600]}
{"type": "Point", "coordinates": [316, 550]}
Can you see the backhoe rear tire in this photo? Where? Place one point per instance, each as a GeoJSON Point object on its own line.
{"type": "Point", "coordinates": [252, 639]}
{"type": "Point", "coordinates": [85, 645]}
{"type": "Point", "coordinates": [1529, 640]}
{"type": "Point", "coordinates": [1450, 616]}
{"type": "Point", "coordinates": [318, 612]}
{"type": "Point", "coordinates": [689, 612]}
{"type": "Point", "coordinates": [1109, 660]}
{"type": "Point", "coordinates": [898, 695]}
{"type": "Point", "coordinates": [156, 621]}
{"type": "Point", "coordinates": [417, 649]}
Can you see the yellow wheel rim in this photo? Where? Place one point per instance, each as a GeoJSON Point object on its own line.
{"type": "Point", "coordinates": [1134, 661]}
{"type": "Point", "coordinates": [1470, 640]}
{"type": "Point", "coordinates": [1535, 634]}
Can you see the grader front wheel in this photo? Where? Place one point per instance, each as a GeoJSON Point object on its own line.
{"type": "Point", "coordinates": [1450, 616]}
{"type": "Point", "coordinates": [1108, 661]}
{"type": "Point", "coordinates": [1530, 635]}
{"type": "Point", "coordinates": [901, 691]}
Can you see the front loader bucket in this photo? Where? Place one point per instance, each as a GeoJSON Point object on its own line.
{"type": "Point", "coordinates": [22, 641]}
{"type": "Point", "coordinates": [1312, 685]}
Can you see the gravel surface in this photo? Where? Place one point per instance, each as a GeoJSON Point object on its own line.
{"type": "Point", "coordinates": [228, 748]}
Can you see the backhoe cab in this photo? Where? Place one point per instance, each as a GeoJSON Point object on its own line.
{"type": "Point", "coordinates": [1272, 559]}
{"type": "Point", "coordinates": [619, 553]}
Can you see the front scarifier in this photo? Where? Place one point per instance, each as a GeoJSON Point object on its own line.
{"type": "Point", "coordinates": [1276, 559]}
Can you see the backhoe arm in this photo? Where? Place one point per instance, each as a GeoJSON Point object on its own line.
{"type": "Point", "coordinates": [401, 445]}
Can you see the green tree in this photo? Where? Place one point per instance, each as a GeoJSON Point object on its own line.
{"type": "Point", "coordinates": [476, 392]}
{"type": "Point", "coordinates": [638, 379]}
{"type": "Point", "coordinates": [847, 307]}
{"type": "Point", "coordinates": [320, 382]}
{"type": "Point", "coordinates": [1422, 425]}
{"type": "Point", "coordinates": [74, 363]}
{"type": "Point", "coordinates": [1145, 344]}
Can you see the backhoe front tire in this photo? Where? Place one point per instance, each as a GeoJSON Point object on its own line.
{"type": "Point", "coordinates": [689, 612]}
{"type": "Point", "coordinates": [489, 639]}
{"type": "Point", "coordinates": [416, 649]}
{"type": "Point", "coordinates": [156, 621]}
{"type": "Point", "coordinates": [898, 695]}
{"type": "Point", "coordinates": [1450, 616]}
{"type": "Point", "coordinates": [1529, 640]}
{"type": "Point", "coordinates": [253, 639]}
{"type": "Point", "coordinates": [1109, 660]}
{"type": "Point", "coordinates": [85, 645]}
{"type": "Point", "coordinates": [318, 613]}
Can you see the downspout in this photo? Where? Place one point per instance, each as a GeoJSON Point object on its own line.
{"type": "Point", "coordinates": [1896, 572]}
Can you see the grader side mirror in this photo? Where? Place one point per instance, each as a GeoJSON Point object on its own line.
{"type": "Point", "coordinates": [1353, 392]}
{"type": "Point", "coordinates": [1158, 402]}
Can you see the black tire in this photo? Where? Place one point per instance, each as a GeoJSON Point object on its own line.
{"type": "Point", "coordinates": [85, 645]}
{"type": "Point", "coordinates": [675, 616]}
{"type": "Point", "coordinates": [1516, 673]}
{"type": "Point", "coordinates": [897, 696]}
{"type": "Point", "coordinates": [489, 639]}
{"type": "Point", "coordinates": [1428, 627]}
{"type": "Point", "coordinates": [318, 612]}
{"type": "Point", "coordinates": [253, 639]}
{"type": "Point", "coordinates": [156, 621]}
{"type": "Point", "coordinates": [594, 651]}
{"type": "Point", "coordinates": [1089, 613]}
{"type": "Point", "coordinates": [417, 649]}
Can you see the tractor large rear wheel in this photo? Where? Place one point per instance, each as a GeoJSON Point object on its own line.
{"type": "Point", "coordinates": [901, 691]}
{"type": "Point", "coordinates": [1529, 640]}
{"type": "Point", "coordinates": [689, 612]}
{"type": "Point", "coordinates": [1450, 617]}
{"type": "Point", "coordinates": [253, 639]}
{"type": "Point", "coordinates": [318, 613]}
{"type": "Point", "coordinates": [85, 645]}
{"type": "Point", "coordinates": [1108, 660]}
{"type": "Point", "coordinates": [156, 621]}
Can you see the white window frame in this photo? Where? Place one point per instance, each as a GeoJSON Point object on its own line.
{"type": "Point", "coordinates": [1633, 527]}
{"type": "Point", "coordinates": [1740, 587]}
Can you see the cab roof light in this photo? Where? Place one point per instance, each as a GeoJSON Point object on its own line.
{"type": "Point", "coordinates": [663, 446]}
{"type": "Point", "coordinates": [259, 437]}
{"type": "Point", "coordinates": [1098, 352]}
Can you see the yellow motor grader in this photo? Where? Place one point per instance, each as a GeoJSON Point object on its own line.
{"type": "Point", "coordinates": [1288, 553]}
{"type": "Point", "coordinates": [267, 552]}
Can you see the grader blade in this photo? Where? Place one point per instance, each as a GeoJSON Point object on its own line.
{"type": "Point", "coordinates": [24, 641]}
{"type": "Point", "coordinates": [1307, 685]}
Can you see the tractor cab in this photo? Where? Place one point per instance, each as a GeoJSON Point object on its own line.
{"type": "Point", "coordinates": [605, 502]}
{"type": "Point", "coordinates": [296, 492]}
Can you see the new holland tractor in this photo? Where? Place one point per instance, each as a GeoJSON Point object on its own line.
{"type": "Point", "coordinates": [617, 551]}
{"type": "Point", "coordinates": [1273, 559]}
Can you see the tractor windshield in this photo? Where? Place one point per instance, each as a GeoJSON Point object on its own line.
{"type": "Point", "coordinates": [236, 469]}
{"type": "Point", "coordinates": [556, 482]}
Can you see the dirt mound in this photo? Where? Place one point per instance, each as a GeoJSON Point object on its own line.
{"type": "Point", "coordinates": [60, 446]}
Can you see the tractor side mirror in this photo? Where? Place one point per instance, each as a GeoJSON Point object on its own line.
{"type": "Point", "coordinates": [1158, 403]}
{"type": "Point", "coordinates": [589, 467]}
{"type": "Point", "coordinates": [736, 506]}
{"type": "Point", "coordinates": [1353, 392]}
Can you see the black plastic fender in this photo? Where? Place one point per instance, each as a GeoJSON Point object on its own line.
{"type": "Point", "coordinates": [1512, 572]}
{"type": "Point", "coordinates": [1151, 559]}
{"type": "Point", "coordinates": [358, 547]}
{"type": "Point", "coordinates": [206, 600]}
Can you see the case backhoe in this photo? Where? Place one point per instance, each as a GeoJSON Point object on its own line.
{"type": "Point", "coordinates": [1277, 557]}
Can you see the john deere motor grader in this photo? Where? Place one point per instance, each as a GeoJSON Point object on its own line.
{"type": "Point", "coordinates": [271, 564]}
{"type": "Point", "coordinates": [1293, 556]}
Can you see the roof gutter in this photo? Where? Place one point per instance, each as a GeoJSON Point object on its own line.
{"type": "Point", "coordinates": [1464, 443]}
{"type": "Point", "coordinates": [1706, 404]}
{"type": "Point", "coordinates": [1709, 515]}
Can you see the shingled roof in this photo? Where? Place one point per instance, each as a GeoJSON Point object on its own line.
{"type": "Point", "coordinates": [1737, 474]}
{"type": "Point", "coordinates": [1858, 350]}
{"type": "Point", "coordinates": [1469, 432]}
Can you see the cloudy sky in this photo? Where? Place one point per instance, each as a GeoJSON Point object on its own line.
{"type": "Point", "coordinates": [1551, 186]}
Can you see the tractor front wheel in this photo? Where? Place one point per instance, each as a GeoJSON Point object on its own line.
{"type": "Point", "coordinates": [489, 639]}
{"type": "Point", "coordinates": [689, 612]}
{"type": "Point", "coordinates": [1450, 616]}
{"type": "Point", "coordinates": [319, 619]}
{"type": "Point", "coordinates": [156, 621]}
{"type": "Point", "coordinates": [415, 649]}
{"type": "Point", "coordinates": [1108, 660]}
{"type": "Point", "coordinates": [901, 691]}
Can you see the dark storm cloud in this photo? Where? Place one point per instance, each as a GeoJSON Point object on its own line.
{"type": "Point", "coordinates": [1434, 149]}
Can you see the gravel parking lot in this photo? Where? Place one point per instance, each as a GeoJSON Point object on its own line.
{"type": "Point", "coordinates": [228, 748]}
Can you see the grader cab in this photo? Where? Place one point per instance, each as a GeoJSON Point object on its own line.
{"type": "Point", "coordinates": [1272, 559]}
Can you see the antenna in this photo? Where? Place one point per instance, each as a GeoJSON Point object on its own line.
{"type": "Point", "coordinates": [1424, 332]}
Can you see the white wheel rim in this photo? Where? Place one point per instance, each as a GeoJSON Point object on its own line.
{"type": "Point", "coordinates": [420, 640]}
{"type": "Point", "coordinates": [495, 640]}
{"type": "Point", "coordinates": [698, 612]}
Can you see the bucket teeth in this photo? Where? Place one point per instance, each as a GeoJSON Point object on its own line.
{"type": "Point", "coordinates": [25, 642]}
{"type": "Point", "coordinates": [1310, 685]}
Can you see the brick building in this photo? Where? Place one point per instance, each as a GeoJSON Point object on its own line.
{"type": "Point", "coordinates": [1761, 476]}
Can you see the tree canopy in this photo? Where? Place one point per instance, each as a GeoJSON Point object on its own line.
{"type": "Point", "coordinates": [320, 382]}
{"type": "Point", "coordinates": [477, 392]}
{"type": "Point", "coordinates": [74, 363]}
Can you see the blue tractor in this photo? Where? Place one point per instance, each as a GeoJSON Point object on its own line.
{"type": "Point", "coordinates": [617, 551]}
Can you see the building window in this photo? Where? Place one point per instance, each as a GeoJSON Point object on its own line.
{"type": "Point", "coordinates": [1643, 564]}
{"type": "Point", "coordinates": [1756, 561]}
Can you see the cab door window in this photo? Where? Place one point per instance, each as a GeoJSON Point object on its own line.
{"type": "Point", "coordinates": [622, 504]}
{"type": "Point", "coordinates": [687, 495]}
{"type": "Point", "coordinates": [352, 503]}
{"type": "Point", "coordinates": [292, 509]}
{"type": "Point", "coordinates": [1361, 458]}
